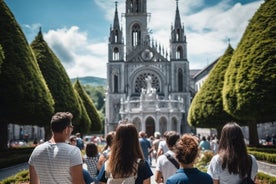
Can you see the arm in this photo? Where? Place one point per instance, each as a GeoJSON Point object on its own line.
{"type": "Point", "coordinates": [77, 175]}
{"type": "Point", "coordinates": [100, 162]}
{"type": "Point", "coordinates": [215, 181]}
{"type": "Point", "coordinates": [158, 177]}
{"type": "Point", "coordinates": [146, 181]}
{"type": "Point", "coordinates": [34, 179]}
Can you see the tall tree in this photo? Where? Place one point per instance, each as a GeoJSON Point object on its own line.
{"type": "Point", "coordinates": [90, 108]}
{"type": "Point", "coordinates": [206, 109]}
{"type": "Point", "coordinates": [24, 96]}
{"type": "Point", "coordinates": [250, 80]}
{"type": "Point", "coordinates": [85, 122]}
{"type": "Point", "coordinates": [57, 79]}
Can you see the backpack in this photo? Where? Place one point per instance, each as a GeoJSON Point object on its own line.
{"type": "Point", "coordinates": [247, 179]}
{"type": "Point", "coordinates": [128, 180]}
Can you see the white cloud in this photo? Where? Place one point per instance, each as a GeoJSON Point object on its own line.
{"type": "Point", "coordinates": [207, 33]}
{"type": "Point", "coordinates": [79, 56]}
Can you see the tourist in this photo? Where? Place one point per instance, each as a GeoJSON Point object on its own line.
{"type": "Point", "coordinates": [166, 164]}
{"type": "Point", "coordinates": [186, 152]}
{"type": "Point", "coordinates": [91, 159]}
{"type": "Point", "coordinates": [204, 144]}
{"type": "Point", "coordinates": [55, 161]}
{"type": "Point", "coordinates": [145, 145]}
{"type": "Point", "coordinates": [105, 154]}
{"type": "Point", "coordinates": [126, 160]}
{"type": "Point", "coordinates": [232, 162]}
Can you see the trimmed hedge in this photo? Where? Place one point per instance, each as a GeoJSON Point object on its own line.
{"type": "Point", "coordinates": [14, 156]}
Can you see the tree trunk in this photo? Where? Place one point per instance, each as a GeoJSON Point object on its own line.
{"type": "Point", "coordinates": [253, 134]}
{"type": "Point", "coordinates": [4, 136]}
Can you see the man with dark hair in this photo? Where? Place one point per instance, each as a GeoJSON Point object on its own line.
{"type": "Point", "coordinates": [55, 161]}
{"type": "Point", "coordinates": [166, 163]}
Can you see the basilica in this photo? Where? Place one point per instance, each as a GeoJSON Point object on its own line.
{"type": "Point", "coordinates": [147, 85]}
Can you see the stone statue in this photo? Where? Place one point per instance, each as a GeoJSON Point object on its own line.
{"type": "Point", "coordinates": [149, 85]}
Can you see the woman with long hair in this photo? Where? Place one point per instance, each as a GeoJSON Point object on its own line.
{"type": "Point", "coordinates": [232, 162]}
{"type": "Point", "coordinates": [126, 157]}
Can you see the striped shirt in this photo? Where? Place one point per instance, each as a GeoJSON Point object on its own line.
{"type": "Point", "coordinates": [52, 162]}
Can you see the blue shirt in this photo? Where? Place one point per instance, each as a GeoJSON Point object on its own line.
{"type": "Point", "coordinates": [190, 176]}
{"type": "Point", "coordinates": [145, 145]}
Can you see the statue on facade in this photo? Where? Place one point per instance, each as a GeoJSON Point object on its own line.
{"type": "Point", "coordinates": [149, 84]}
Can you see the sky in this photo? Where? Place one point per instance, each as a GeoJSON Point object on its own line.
{"type": "Point", "coordinates": [78, 31]}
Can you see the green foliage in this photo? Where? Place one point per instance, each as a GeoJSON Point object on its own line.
{"type": "Point", "coordinates": [57, 79]}
{"type": "Point", "coordinates": [206, 109]}
{"type": "Point", "coordinates": [97, 94]}
{"type": "Point", "coordinates": [24, 96]}
{"type": "Point", "coordinates": [19, 178]}
{"type": "Point", "coordinates": [96, 124]}
{"type": "Point", "coordinates": [85, 124]}
{"type": "Point", "coordinates": [11, 157]}
{"type": "Point", "coordinates": [265, 178]}
{"type": "Point", "coordinates": [250, 80]}
{"type": "Point", "coordinates": [268, 157]}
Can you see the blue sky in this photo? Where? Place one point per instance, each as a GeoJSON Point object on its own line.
{"type": "Point", "coordinates": [78, 31]}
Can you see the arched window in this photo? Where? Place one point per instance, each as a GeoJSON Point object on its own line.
{"type": "Point", "coordinates": [136, 35]}
{"type": "Point", "coordinates": [179, 53]}
{"type": "Point", "coordinates": [116, 36]}
{"type": "Point", "coordinates": [180, 80]}
{"type": "Point", "coordinates": [116, 54]}
{"type": "Point", "coordinates": [116, 83]}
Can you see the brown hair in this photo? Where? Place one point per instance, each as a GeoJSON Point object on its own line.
{"type": "Point", "coordinates": [91, 150]}
{"type": "Point", "coordinates": [232, 149]}
{"type": "Point", "coordinates": [109, 139]}
{"type": "Point", "coordinates": [60, 121]}
{"type": "Point", "coordinates": [125, 151]}
{"type": "Point", "coordinates": [186, 149]}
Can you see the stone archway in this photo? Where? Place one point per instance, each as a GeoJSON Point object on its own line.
{"type": "Point", "coordinates": [150, 126]}
{"type": "Point", "coordinates": [174, 124]}
{"type": "Point", "coordinates": [137, 123]}
{"type": "Point", "coordinates": [162, 125]}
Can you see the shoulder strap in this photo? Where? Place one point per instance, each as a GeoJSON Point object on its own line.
{"type": "Point", "coordinates": [172, 160]}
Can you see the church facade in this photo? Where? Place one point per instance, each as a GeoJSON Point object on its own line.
{"type": "Point", "coordinates": [146, 85]}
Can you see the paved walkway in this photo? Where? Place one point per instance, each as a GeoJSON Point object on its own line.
{"type": "Point", "coordinates": [10, 171]}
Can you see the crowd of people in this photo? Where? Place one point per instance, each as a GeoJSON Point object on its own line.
{"type": "Point", "coordinates": [128, 155]}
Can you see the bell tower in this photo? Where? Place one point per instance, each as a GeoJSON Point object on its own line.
{"type": "Point", "coordinates": [136, 24]}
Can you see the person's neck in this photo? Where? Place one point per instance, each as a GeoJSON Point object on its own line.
{"type": "Point", "coordinates": [57, 138]}
{"type": "Point", "coordinates": [187, 166]}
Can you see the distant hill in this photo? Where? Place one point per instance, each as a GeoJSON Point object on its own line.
{"type": "Point", "coordinates": [89, 80]}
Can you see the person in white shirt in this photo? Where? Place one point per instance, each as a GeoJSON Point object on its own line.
{"type": "Point", "coordinates": [231, 164]}
{"type": "Point", "coordinates": [166, 164]}
{"type": "Point", "coordinates": [56, 161]}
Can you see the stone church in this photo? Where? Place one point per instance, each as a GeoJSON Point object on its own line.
{"type": "Point", "coordinates": [146, 85]}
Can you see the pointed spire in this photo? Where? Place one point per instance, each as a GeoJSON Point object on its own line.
{"type": "Point", "coordinates": [116, 24]}
{"type": "Point", "coordinates": [177, 21]}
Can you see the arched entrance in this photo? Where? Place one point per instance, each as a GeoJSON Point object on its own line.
{"type": "Point", "coordinates": [174, 124]}
{"type": "Point", "coordinates": [162, 125]}
{"type": "Point", "coordinates": [150, 127]}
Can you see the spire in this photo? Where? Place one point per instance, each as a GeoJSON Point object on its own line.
{"type": "Point", "coordinates": [177, 21]}
{"type": "Point", "coordinates": [116, 24]}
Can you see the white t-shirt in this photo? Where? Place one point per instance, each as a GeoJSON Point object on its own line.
{"type": "Point", "coordinates": [216, 172]}
{"type": "Point", "coordinates": [52, 162]}
{"type": "Point", "coordinates": [163, 146]}
{"type": "Point", "coordinates": [165, 166]}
